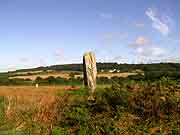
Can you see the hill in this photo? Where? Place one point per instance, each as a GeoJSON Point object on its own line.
{"type": "Point", "coordinates": [107, 72]}
{"type": "Point", "coordinates": [108, 66]}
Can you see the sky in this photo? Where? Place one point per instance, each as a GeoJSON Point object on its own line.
{"type": "Point", "coordinates": [48, 32]}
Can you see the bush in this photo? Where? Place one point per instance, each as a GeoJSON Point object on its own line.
{"type": "Point", "coordinates": [131, 108]}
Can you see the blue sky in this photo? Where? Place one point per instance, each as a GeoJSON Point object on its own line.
{"type": "Point", "coordinates": [46, 32]}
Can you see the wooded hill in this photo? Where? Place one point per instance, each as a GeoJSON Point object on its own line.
{"type": "Point", "coordinates": [150, 72]}
{"type": "Point", "coordinates": [110, 66]}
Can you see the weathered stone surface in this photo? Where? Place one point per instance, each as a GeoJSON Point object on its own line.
{"type": "Point", "coordinates": [90, 70]}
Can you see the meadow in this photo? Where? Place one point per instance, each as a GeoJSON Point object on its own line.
{"type": "Point", "coordinates": [144, 103]}
{"type": "Point", "coordinates": [128, 107]}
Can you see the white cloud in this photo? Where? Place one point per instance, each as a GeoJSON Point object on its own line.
{"type": "Point", "coordinates": [160, 24]}
{"type": "Point", "coordinates": [139, 41]}
{"type": "Point", "coordinates": [114, 35]}
{"type": "Point", "coordinates": [42, 62]}
{"type": "Point", "coordinates": [24, 59]}
{"type": "Point", "coordinates": [173, 60]}
{"type": "Point", "coordinates": [119, 59]}
{"type": "Point", "coordinates": [150, 52]}
{"type": "Point", "coordinates": [139, 24]}
{"type": "Point", "coordinates": [59, 54]}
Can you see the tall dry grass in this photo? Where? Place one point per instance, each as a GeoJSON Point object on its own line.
{"type": "Point", "coordinates": [34, 111]}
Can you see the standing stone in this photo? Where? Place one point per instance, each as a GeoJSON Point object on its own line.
{"type": "Point", "coordinates": [90, 71]}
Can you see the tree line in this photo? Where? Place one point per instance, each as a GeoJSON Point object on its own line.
{"type": "Point", "coordinates": [109, 66]}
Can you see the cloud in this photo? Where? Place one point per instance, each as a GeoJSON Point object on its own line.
{"type": "Point", "coordinates": [139, 41]}
{"type": "Point", "coordinates": [119, 59]}
{"type": "Point", "coordinates": [24, 59]}
{"type": "Point", "coordinates": [10, 68]}
{"type": "Point", "coordinates": [173, 40]}
{"type": "Point", "coordinates": [150, 52]}
{"type": "Point", "coordinates": [42, 62]}
{"type": "Point", "coordinates": [139, 24]}
{"type": "Point", "coordinates": [59, 53]}
{"type": "Point", "coordinates": [172, 60]}
{"type": "Point", "coordinates": [106, 15]}
{"type": "Point", "coordinates": [112, 37]}
{"type": "Point", "coordinates": [115, 35]}
{"type": "Point", "coordinates": [160, 24]}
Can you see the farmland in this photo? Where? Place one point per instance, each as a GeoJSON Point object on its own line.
{"type": "Point", "coordinates": [129, 107]}
{"type": "Point", "coordinates": [67, 75]}
{"type": "Point", "coordinates": [137, 104]}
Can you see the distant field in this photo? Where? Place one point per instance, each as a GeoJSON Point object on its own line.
{"type": "Point", "coordinates": [110, 75]}
{"type": "Point", "coordinates": [33, 77]}
{"type": "Point", "coordinates": [67, 75]}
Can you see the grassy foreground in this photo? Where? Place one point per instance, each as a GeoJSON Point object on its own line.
{"type": "Point", "coordinates": [127, 108]}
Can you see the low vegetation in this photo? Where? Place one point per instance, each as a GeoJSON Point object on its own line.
{"type": "Point", "coordinates": [127, 107]}
{"type": "Point", "coordinates": [147, 103]}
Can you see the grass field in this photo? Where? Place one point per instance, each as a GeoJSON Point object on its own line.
{"type": "Point", "coordinates": [64, 74]}
{"type": "Point", "coordinates": [33, 91]}
{"type": "Point", "coordinates": [23, 107]}
{"type": "Point", "coordinates": [129, 108]}
{"type": "Point", "coordinates": [43, 75]}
